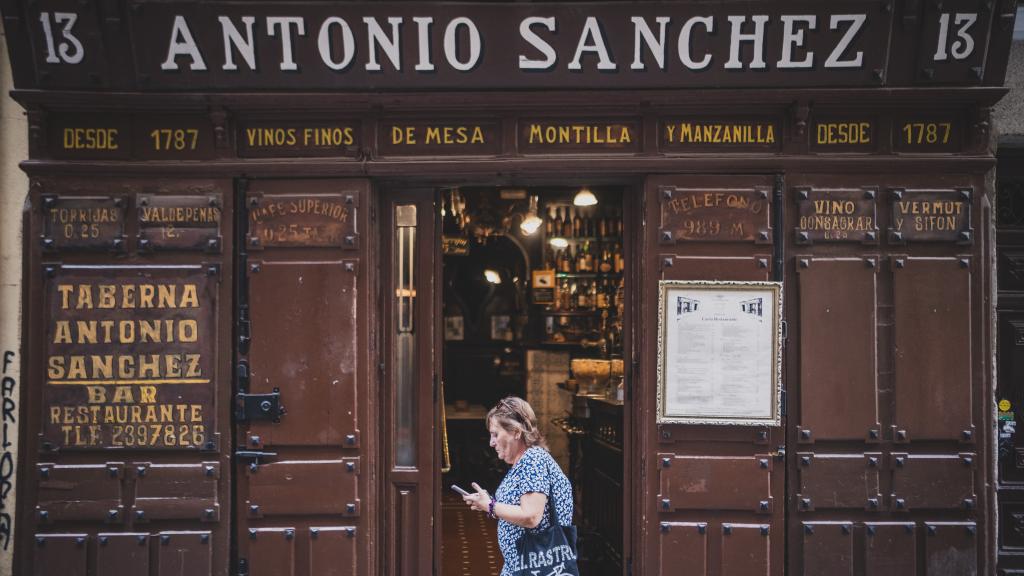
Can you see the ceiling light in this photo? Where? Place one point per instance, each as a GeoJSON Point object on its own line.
{"type": "Point", "coordinates": [558, 243]}
{"type": "Point", "coordinates": [531, 222]}
{"type": "Point", "coordinates": [584, 197]}
{"type": "Point", "coordinates": [492, 276]}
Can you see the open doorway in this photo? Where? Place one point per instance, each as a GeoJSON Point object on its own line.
{"type": "Point", "coordinates": [534, 306]}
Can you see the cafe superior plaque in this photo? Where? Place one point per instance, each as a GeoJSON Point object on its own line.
{"type": "Point", "coordinates": [719, 352]}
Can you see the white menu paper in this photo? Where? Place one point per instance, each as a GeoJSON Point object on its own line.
{"type": "Point", "coordinates": [719, 352]}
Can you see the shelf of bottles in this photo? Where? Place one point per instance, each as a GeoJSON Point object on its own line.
{"type": "Point", "coordinates": [583, 245]}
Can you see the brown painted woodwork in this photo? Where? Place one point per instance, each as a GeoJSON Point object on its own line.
{"type": "Point", "coordinates": [683, 547]}
{"type": "Point", "coordinates": [837, 298]}
{"type": "Point", "coordinates": [309, 324]}
{"type": "Point", "coordinates": [746, 549]}
{"type": "Point", "coordinates": [839, 481]}
{"type": "Point", "coordinates": [933, 481]}
{"type": "Point", "coordinates": [828, 548]}
{"type": "Point", "coordinates": [124, 553]}
{"type": "Point", "coordinates": [890, 548]}
{"type": "Point", "coordinates": [951, 548]}
{"type": "Point", "coordinates": [83, 491]}
{"type": "Point", "coordinates": [902, 371]}
{"type": "Point", "coordinates": [185, 552]}
{"type": "Point", "coordinates": [176, 491]}
{"type": "Point", "coordinates": [728, 478]}
{"type": "Point", "coordinates": [61, 554]}
{"type": "Point", "coordinates": [928, 297]}
{"type": "Point", "coordinates": [410, 503]}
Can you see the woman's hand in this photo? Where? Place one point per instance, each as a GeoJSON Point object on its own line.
{"type": "Point", "coordinates": [480, 501]}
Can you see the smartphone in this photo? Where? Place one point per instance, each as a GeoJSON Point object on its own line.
{"type": "Point", "coordinates": [459, 490]}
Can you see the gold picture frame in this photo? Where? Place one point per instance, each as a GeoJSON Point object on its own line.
{"type": "Point", "coordinates": [720, 353]}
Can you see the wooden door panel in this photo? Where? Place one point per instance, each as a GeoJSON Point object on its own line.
{"type": "Point", "coordinates": [828, 548]}
{"type": "Point", "coordinates": [184, 553]}
{"type": "Point", "coordinates": [727, 481]}
{"type": "Point", "coordinates": [177, 491]}
{"type": "Point", "coordinates": [838, 298]}
{"type": "Point", "coordinates": [837, 481]}
{"type": "Point", "coordinates": [305, 345]}
{"type": "Point", "coordinates": [333, 551]}
{"type": "Point", "coordinates": [122, 554]}
{"type": "Point", "coordinates": [304, 487]}
{"type": "Point", "coordinates": [63, 554]}
{"type": "Point", "coordinates": [80, 492]}
{"type": "Point", "coordinates": [305, 322]}
{"type": "Point", "coordinates": [931, 296]}
{"type": "Point", "coordinates": [933, 481]}
{"type": "Point", "coordinates": [272, 551]}
{"type": "Point", "coordinates": [684, 548]}
{"type": "Point", "coordinates": [951, 548]}
{"type": "Point", "coordinates": [890, 548]}
{"type": "Point", "coordinates": [715, 483]}
{"type": "Point", "coordinates": [746, 550]}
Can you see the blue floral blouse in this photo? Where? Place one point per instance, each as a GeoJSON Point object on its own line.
{"type": "Point", "coordinates": [536, 471]}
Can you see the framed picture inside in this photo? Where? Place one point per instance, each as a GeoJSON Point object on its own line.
{"type": "Point", "coordinates": [719, 352]}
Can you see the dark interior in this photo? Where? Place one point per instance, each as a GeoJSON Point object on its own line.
{"type": "Point", "coordinates": [521, 314]}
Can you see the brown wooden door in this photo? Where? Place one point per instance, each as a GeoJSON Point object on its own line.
{"type": "Point", "coordinates": [411, 371]}
{"type": "Point", "coordinates": [712, 498]}
{"type": "Point", "coordinates": [305, 374]}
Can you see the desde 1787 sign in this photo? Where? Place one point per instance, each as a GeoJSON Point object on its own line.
{"type": "Point", "coordinates": [403, 45]}
{"type": "Point", "coordinates": [129, 358]}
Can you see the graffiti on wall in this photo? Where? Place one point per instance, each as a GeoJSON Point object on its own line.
{"type": "Point", "coordinates": [9, 427]}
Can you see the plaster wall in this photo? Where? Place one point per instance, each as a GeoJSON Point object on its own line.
{"type": "Point", "coordinates": [13, 189]}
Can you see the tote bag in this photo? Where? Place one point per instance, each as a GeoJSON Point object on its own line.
{"type": "Point", "coordinates": [550, 552]}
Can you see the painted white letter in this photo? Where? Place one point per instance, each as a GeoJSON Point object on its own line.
{"type": "Point", "coordinates": [285, 24]}
{"type": "Point", "coordinates": [423, 34]}
{"type": "Point", "coordinates": [182, 44]}
{"type": "Point", "coordinates": [591, 40]}
{"type": "Point", "coordinates": [793, 38]}
{"type": "Point", "coordinates": [391, 46]}
{"type": "Point", "coordinates": [856, 22]}
{"type": "Point", "coordinates": [550, 58]}
{"type": "Point", "coordinates": [655, 45]}
{"type": "Point", "coordinates": [757, 37]}
{"type": "Point", "coordinates": [684, 42]}
{"type": "Point", "coordinates": [348, 43]}
{"type": "Point", "coordinates": [232, 37]}
{"type": "Point", "coordinates": [451, 51]}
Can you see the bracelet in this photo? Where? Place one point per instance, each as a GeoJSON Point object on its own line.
{"type": "Point", "coordinates": [490, 509]}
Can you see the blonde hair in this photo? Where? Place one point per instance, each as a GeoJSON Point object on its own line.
{"type": "Point", "coordinates": [514, 414]}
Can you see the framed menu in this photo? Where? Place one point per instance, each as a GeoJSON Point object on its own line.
{"type": "Point", "coordinates": [719, 352]}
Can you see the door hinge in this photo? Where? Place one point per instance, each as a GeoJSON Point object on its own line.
{"type": "Point", "coordinates": [243, 567]}
{"type": "Point", "coordinates": [243, 336]}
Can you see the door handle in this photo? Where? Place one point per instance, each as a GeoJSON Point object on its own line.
{"type": "Point", "coordinates": [255, 456]}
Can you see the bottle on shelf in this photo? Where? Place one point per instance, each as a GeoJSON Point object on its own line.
{"type": "Point", "coordinates": [566, 223]}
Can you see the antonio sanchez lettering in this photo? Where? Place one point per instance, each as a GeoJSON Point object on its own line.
{"type": "Point", "coordinates": [127, 364]}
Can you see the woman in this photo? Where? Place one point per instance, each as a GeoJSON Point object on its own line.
{"type": "Point", "coordinates": [521, 501]}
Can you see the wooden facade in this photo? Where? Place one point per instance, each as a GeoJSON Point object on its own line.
{"type": "Point", "coordinates": [220, 191]}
